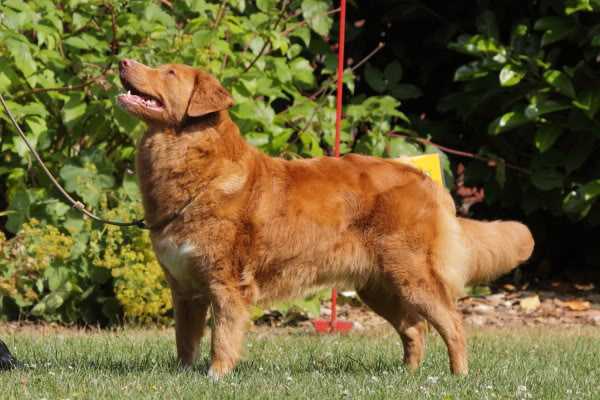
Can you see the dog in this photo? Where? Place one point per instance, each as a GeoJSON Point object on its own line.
{"type": "Point", "coordinates": [232, 226]}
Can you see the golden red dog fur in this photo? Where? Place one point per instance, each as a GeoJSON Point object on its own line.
{"type": "Point", "coordinates": [233, 226]}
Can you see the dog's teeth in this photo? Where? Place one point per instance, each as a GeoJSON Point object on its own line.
{"type": "Point", "coordinates": [129, 92]}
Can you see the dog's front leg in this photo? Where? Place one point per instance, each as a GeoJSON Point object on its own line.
{"type": "Point", "coordinates": [190, 320]}
{"type": "Point", "coordinates": [230, 318]}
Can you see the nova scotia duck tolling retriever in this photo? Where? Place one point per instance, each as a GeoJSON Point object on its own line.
{"type": "Point", "coordinates": [232, 226]}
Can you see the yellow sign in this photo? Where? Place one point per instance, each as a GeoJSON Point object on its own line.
{"type": "Point", "coordinates": [431, 164]}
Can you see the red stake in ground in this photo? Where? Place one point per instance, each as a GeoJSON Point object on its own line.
{"type": "Point", "coordinates": [334, 325]}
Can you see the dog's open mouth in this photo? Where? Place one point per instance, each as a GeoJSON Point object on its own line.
{"type": "Point", "coordinates": [134, 97]}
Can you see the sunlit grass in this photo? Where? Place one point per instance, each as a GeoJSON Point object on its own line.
{"type": "Point", "coordinates": [522, 363]}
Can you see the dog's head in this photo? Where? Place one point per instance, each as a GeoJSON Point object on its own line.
{"type": "Point", "coordinates": [169, 94]}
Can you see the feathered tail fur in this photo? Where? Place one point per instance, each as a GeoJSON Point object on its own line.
{"type": "Point", "coordinates": [494, 248]}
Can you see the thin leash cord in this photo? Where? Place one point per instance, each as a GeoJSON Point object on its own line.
{"type": "Point", "coordinates": [75, 203]}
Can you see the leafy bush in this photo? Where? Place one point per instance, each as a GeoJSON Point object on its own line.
{"type": "Point", "coordinates": [58, 69]}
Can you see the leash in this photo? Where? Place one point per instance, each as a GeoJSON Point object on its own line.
{"type": "Point", "coordinates": [75, 203]}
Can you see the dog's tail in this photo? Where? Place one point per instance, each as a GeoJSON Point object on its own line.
{"type": "Point", "coordinates": [494, 248]}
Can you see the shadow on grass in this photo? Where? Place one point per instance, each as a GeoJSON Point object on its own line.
{"type": "Point", "coordinates": [142, 364]}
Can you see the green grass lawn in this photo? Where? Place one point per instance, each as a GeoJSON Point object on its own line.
{"type": "Point", "coordinates": [548, 363]}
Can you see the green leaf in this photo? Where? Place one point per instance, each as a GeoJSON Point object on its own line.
{"type": "Point", "coordinates": [405, 91]}
{"type": "Point", "coordinates": [487, 24]}
{"type": "Point", "coordinates": [77, 43]}
{"type": "Point", "coordinates": [477, 45]}
{"type": "Point", "coordinates": [240, 5]}
{"type": "Point", "coordinates": [57, 210]}
{"type": "Point", "coordinates": [315, 14]}
{"type": "Point", "coordinates": [154, 13]}
{"type": "Point", "coordinates": [398, 147]}
{"type": "Point", "coordinates": [56, 276]}
{"type": "Point", "coordinates": [501, 172]}
{"type": "Point", "coordinates": [282, 70]}
{"type": "Point", "coordinates": [473, 70]}
{"type": "Point", "coordinates": [555, 28]}
{"type": "Point", "coordinates": [266, 5]}
{"type": "Point", "coordinates": [588, 100]}
{"type": "Point", "coordinates": [202, 38]}
{"type": "Point", "coordinates": [303, 33]}
{"type": "Point", "coordinates": [349, 79]}
{"type": "Point", "coordinates": [48, 304]}
{"type": "Point", "coordinates": [393, 72]}
{"type": "Point", "coordinates": [582, 148]}
{"type": "Point", "coordinates": [74, 109]}
{"type": "Point", "coordinates": [22, 56]}
{"type": "Point", "coordinates": [375, 78]}
{"type": "Point", "coordinates": [86, 182]}
{"type": "Point", "coordinates": [302, 72]}
{"type": "Point", "coordinates": [506, 122]}
{"type": "Point", "coordinates": [560, 81]}
{"type": "Point", "coordinates": [574, 6]}
{"type": "Point", "coordinates": [510, 75]}
{"type": "Point", "coordinates": [542, 106]}
{"type": "Point", "coordinates": [546, 136]}
{"type": "Point", "coordinates": [257, 139]}
{"type": "Point", "coordinates": [579, 200]}
{"type": "Point", "coordinates": [547, 179]}
{"type": "Point", "coordinates": [20, 205]}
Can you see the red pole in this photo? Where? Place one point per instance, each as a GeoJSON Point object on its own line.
{"type": "Point", "coordinates": [340, 77]}
{"type": "Point", "coordinates": [338, 120]}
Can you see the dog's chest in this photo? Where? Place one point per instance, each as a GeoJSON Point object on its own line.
{"type": "Point", "coordinates": [178, 260]}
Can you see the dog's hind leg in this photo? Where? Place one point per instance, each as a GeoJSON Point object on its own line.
{"type": "Point", "coordinates": [409, 325]}
{"type": "Point", "coordinates": [230, 318]}
{"type": "Point", "coordinates": [439, 309]}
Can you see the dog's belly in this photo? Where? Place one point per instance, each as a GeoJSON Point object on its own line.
{"type": "Point", "coordinates": [345, 265]}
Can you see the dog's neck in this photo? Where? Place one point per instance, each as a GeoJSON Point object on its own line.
{"type": "Point", "coordinates": [177, 165]}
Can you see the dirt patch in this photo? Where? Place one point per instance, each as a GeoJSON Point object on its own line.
{"type": "Point", "coordinates": [504, 308]}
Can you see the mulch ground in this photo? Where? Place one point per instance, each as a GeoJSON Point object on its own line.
{"type": "Point", "coordinates": [557, 304]}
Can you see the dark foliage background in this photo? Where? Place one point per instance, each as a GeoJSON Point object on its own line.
{"type": "Point", "coordinates": [513, 81]}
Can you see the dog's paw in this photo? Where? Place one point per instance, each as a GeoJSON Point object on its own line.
{"type": "Point", "coordinates": [217, 371]}
{"type": "Point", "coordinates": [214, 375]}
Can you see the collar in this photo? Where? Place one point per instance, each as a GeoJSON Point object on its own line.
{"type": "Point", "coordinates": [163, 223]}
{"type": "Point", "coordinates": [206, 119]}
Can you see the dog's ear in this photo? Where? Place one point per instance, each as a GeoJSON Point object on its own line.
{"type": "Point", "coordinates": [208, 96]}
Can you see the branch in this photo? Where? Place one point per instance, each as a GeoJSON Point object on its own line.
{"type": "Point", "coordinates": [220, 13]}
{"type": "Point", "coordinates": [489, 161]}
{"type": "Point", "coordinates": [333, 78]}
{"type": "Point", "coordinates": [114, 49]}
{"type": "Point", "coordinates": [267, 42]}
{"type": "Point", "coordinates": [304, 22]}
{"type": "Point", "coordinates": [167, 3]}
